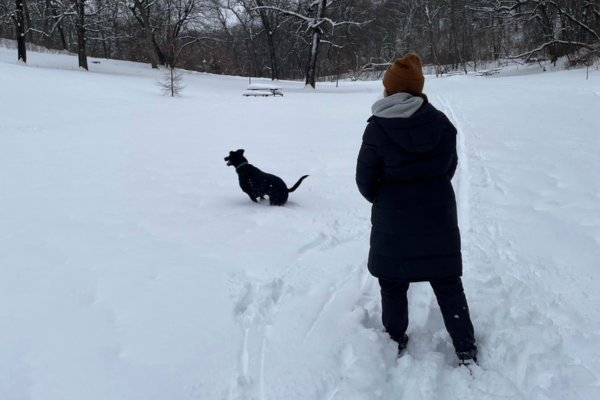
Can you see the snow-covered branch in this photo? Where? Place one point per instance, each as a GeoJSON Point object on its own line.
{"type": "Point", "coordinates": [286, 12]}
{"type": "Point", "coordinates": [527, 55]}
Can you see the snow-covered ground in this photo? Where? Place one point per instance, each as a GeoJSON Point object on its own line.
{"type": "Point", "coordinates": [133, 267]}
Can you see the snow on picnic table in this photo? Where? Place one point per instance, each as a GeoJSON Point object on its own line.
{"type": "Point", "coordinates": [261, 93]}
{"type": "Point", "coordinates": [263, 86]}
{"type": "Point", "coordinates": [133, 267]}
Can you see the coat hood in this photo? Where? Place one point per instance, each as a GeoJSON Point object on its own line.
{"type": "Point", "coordinates": [419, 133]}
{"type": "Point", "coordinates": [399, 105]}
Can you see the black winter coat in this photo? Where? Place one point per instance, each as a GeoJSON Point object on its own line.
{"type": "Point", "coordinates": [404, 168]}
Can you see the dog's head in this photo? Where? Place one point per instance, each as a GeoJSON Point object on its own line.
{"type": "Point", "coordinates": [235, 158]}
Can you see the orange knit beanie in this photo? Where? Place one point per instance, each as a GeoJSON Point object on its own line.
{"type": "Point", "coordinates": [405, 75]}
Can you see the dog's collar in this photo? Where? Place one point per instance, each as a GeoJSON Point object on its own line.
{"type": "Point", "coordinates": [241, 165]}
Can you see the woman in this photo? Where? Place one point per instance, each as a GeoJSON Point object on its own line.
{"type": "Point", "coordinates": [405, 165]}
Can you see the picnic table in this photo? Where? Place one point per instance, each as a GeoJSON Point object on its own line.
{"type": "Point", "coordinates": [489, 72]}
{"type": "Point", "coordinates": [263, 89]}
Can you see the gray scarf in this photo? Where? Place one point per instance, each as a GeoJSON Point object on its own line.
{"type": "Point", "coordinates": [399, 105]}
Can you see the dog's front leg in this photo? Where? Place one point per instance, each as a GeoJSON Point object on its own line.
{"type": "Point", "coordinates": [252, 197]}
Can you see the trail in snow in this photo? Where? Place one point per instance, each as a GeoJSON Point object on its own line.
{"type": "Point", "coordinates": [333, 291]}
{"type": "Point", "coordinates": [522, 347]}
{"type": "Point", "coordinates": [255, 312]}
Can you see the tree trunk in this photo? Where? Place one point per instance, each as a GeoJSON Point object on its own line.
{"type": "Point", "coordinates": [147, 32]}
{"type": "Point", "coordinates": [548, 30]}
{"type": "Point", "coordinates": [311, 70]}
{"type": "Point", "coordinates": [31, 37]}
{"type": "Point", "coordinates": [172, 86]}
{"type": "Point", "coordinates": [272, 56]}
{"type": "Point", "coordinates": [434, 52]}
{"type": "Point", "coordinates": [433, 40]}
{"type": "Point", "coordinates": [267, 25]}
{"type": "Point", "coordinates": [583, 34]}
{"type": "Point", "coordinates": [225, 25]}
{"type": "Point", "coordinates": [61, 32]}
{"type": "Point", "coordinates": [63, 41]}
{"type": "Point", "coordinates": [159, 54]}
{"type": "Point", "coordinates": [255, 61]}
{"type": "Point", "coordinates": [106, 52]}
{"type": "Point", "coordinates": [20, 25]}
{"type": "Point", "coordinates": [80, 26]}
{"type": "Point", "coordinates": [47, 41]}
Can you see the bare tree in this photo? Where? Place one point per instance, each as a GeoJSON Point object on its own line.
{"type": "Point", "coordinates": [315, 19]}
{"type": "Point", "coordinates": [143, 8]}
{"type": "Point", "coordinates": [560, 23]}
{"type": "Point", "coordinates": [79, 7]}
{"type": "Point", "coordinates": [171, 83]}
{"type": "Point", "coordinates": [312, 40]}
{"type": "Point", "coordinates": [19, 18]}
{"type": "Point", "coordinates": [432, 9]}
{"type": "Point", "coordinates": [270, 27]}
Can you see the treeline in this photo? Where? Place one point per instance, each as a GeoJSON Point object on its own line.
{"type": "Point", "coordinates": [306, 39]}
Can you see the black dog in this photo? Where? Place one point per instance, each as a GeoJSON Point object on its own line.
{"type": "Point", "coordinates": [257, 184]}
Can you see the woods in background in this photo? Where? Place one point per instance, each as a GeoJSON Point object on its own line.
{"type": "Point", "coordinates": [307, 39]}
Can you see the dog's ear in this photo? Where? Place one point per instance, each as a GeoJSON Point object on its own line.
{"type": "Point", "coordinates": [241, 151]}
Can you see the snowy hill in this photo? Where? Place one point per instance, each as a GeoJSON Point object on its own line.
{"type": "Point", "coordinates": [133, 267]}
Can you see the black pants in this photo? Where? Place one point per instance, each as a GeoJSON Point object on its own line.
{"type": "Point", "coordinates": [453, 304]}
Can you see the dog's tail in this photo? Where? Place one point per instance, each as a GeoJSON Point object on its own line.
{"type": "Point", "coordinates": [297, 184]}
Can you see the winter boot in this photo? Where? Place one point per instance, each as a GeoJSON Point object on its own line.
{"type": "Point", "coordinates": [470, 353]}
{"type": "Point", "coordinates": [468, 362]}
{"type": "Point", "coordinates": [402, 345]}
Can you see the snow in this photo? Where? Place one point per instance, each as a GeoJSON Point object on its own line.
{"type": "Point", "coordinates": [133, 267]}
{"type": "Point", "coordinates": [261, 93]}
{"type": "Point", "coordinates": [263, 86]}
